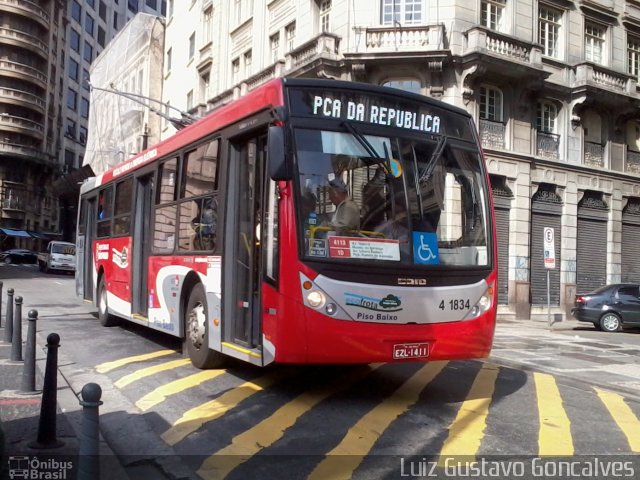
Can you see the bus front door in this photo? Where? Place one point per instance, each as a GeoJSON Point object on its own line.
{"type": "Point", "coordinates": [243, 266]}
{"type": "Point", "coordinates": [141, 238]}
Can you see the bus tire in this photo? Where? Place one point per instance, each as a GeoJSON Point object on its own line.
{"type": "Point", "coordinates": [196, 331]}
{"type": "Point", "coordinates": [106, 319]}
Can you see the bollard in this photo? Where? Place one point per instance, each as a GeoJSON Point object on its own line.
{"type": "Point", "coordinates": [8, 320]}
{"type": "Point", "coordinates": [16, 343]}
{"type": "Point", "coordinates": [89, 468]}
{"type": "Point", "coordinates": [29, 369]}
{"type": "Point", "coordinates": [47, 425]}
{"type": "Point", "coordinates": [1, 284]}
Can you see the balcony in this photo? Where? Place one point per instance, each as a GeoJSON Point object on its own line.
{"type": "Point", "coordinates": [589, 75]}
{"type": "Point", "coordinates": [323, 47]}
{"type": "Point", "coordinates": [205, 58]}
{"type": "Point", "coordinates": [390, 39]}
{"type": "Point", "coordinates": [21, 125]}
{"type": "Point", "coordinates": [632, 162]}
{"type": "Point", "coordinates": [492, 134]}
{"type": "Point", "coordinates": [24, 40]}
{"type": "Point", "coordinates": [24, 99]}
{"type": "Point", "coordinates": [23, 72]}
{"type": "Point", "coordinates": [499, 48]}
{"type": "Point", "coordinates": [547, 145]}
{"type": "Point", "coordinates": [593, 155]}
{"type": "Point", "coordinates": [27, 9]}
{"type": "Point", "coordinates": [264, 76]}
{"type": "Point", "coordinates": [17, 150]}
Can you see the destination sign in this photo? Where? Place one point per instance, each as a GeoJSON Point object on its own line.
{"type": "Point", "coordinates": [400, 111]}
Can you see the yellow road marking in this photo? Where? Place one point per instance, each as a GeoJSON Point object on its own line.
{"type": "Point", "coordinates": [623, 416]}
{"type": "Point", "coordinates": [270, 430]}
{"type": "Point", "coordinates": [160, 394]}
{"type": "Point", "coordinates": [108, 366]}
{"type": "Point", "coordinates": [467, 430]}
{"type": "Point", "coordinates": [342, 461]}
{"type": "Point", "coordinates": [555, 428]}
{"type": "Point", "coordinates": [193, 419]}
{"type": "Point", "coordinates": [148, 371]}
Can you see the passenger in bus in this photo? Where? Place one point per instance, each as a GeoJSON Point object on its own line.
{"type": "Point", "coordinates": [347, 214]}
{"type": "Point", "coordinates": [205, 225]}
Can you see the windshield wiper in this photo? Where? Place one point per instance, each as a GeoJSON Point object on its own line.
{"type": "Point", "coordinates": [435, 156]}
{"type": "Point", "coordinates": [362, 141]}
{"type": "Point", "coordinates": [366, 144]}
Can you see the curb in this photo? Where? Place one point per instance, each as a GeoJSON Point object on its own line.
{"type": "Point", "coordinates": [118, 438]}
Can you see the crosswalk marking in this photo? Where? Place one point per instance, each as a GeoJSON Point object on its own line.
{"type": "Point", "coordinates": [108, 366]}
{"type": "Point", "coordinates": [148, 371]}
{"type": "Point", "coordinates": [193, 419]}
{"type": "Point", "coordinates": [270, 430]}
{"type": "Point", "coordinates": [555, 428]}
{"type": "Point", "coordinates": [161, 393]}
{"type": "Point", "coordinates": [356, 444]}
{"type": "Point", "coordinates": [623, 416]}
{"type": "Point", "coordinates": [467, 430]}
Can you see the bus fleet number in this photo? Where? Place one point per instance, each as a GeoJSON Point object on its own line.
{"type": "Point", "coordinates": [457, 304]}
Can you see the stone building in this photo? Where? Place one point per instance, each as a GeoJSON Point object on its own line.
{"type": "Point", "coordinates": [552, 85]}
{"type": "Point", "coordinates": [46, 48]}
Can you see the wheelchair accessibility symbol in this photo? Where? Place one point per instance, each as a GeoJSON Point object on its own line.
{"type": "Point", "coordinates": [425, 248]}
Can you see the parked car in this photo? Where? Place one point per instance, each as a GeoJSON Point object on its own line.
{"type": "Point", "coordinates": [18, 255]}
{"type": "Point", "coordinates": [609, 307]}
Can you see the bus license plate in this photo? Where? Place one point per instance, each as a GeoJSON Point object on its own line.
{"type": "Point", "coordinates": [410, 350]}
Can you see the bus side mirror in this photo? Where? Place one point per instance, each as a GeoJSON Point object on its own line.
{"type": "Point", "coordinates": [278, 167]}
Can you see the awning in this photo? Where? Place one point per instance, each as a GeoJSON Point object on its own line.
{"type": "Point", "coordinates": [14, 233]}
{"type": "Point", "coordinates": [39, 235]}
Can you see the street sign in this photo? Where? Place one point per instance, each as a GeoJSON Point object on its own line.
{"type": "Point", "coordinates": [549, 249]}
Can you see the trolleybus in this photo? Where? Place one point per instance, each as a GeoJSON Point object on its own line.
{"type": "Point", "coordinates": [309, 221]}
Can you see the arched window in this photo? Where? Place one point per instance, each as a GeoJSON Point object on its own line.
{"type": "Point", "coordinates": [406, 84]}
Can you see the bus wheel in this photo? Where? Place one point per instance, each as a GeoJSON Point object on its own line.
{"type": "Point", "coordinates": [196, 336]}
{"type": "Point", "coordinates": [106, 319]}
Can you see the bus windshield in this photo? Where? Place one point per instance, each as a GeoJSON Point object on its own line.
{"type": "Point", "coordinates": [391, 200]}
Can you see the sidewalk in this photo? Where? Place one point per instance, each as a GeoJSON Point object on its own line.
{"type": "Point", "coordinates": [573, 350]}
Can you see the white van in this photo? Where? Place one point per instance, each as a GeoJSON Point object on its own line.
{"type": "Point", "coordinates": [58, 256]}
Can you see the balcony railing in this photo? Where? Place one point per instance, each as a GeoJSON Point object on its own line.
{"type": "Point", "coordinates": [20, 97]}
{"type": "Point", "coordinates": [599, 76]}
{"type": "Point", "coordinates": [492, 134]}
{"type": "Point", "coordinates": [501, 45]}
{"type": "Point", "coordinates": [325, 45]}
{"type": "Point", "coordinates": [28, 8]}
{"type": "Point", "coordinates": [593, 155]}
{"type": "Point", "coordinates": [23, 71]}
{"type": "Point", "coordinates": [632, 162]}
{"type": "Point", "coordinates": [25, 40]}
{"type": "Point", "coordinates": [23, 124]}
{"type": "Point", "coordinates": [402, 39]}
{"type": "Point", "coordinates": [548, 145]}
{"type": "Point", "coordinates": [15, 149]}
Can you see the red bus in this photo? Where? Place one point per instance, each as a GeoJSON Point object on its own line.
{"type": "Point", "coordinates": [310, 221]}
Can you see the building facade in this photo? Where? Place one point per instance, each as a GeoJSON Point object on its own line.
{"type": "Point", "coordinates": [31, 48]}
{"type": "Point", "coordinates": [552, 85]}
{"type": "Point", "coordinates": [46, 49]}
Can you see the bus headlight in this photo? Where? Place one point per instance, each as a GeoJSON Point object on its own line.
{"type": "Point", "coordinates": [483, 304]}
{"type": "Point", "coordinates": [315, 299]}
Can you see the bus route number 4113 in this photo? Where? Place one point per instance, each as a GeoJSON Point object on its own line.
{"type": "Point", "coordinates": [410, 350]}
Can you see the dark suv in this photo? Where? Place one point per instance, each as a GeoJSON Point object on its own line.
{"type": "Point", "coordinates": [609, 307]}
